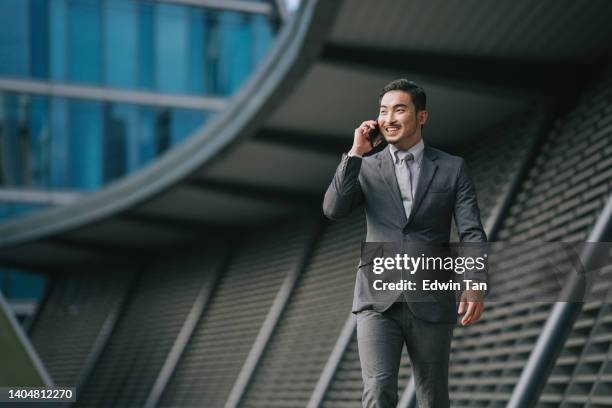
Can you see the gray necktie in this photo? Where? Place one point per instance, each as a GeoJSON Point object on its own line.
{"type": "Point", "coordinates": [408, 159]}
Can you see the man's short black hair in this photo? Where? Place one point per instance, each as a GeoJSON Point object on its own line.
{"type": "Point", "coordinates": [417, 94]}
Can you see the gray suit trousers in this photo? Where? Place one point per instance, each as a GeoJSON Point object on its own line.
{"type": "Point", "coordinates": [380, 339]}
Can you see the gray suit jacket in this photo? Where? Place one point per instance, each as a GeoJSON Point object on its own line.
{"type": "Point", "coordinates": [444, 189]}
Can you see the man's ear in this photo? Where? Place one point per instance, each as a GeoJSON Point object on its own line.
{"type": "Point", "coordinates": [422, 117]}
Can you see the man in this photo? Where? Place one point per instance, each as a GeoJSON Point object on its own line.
{"type": "Point", "coordinates": [410, 191]}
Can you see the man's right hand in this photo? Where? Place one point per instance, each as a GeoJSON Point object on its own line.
{"type": "Point", "coordinates": [361, 143]}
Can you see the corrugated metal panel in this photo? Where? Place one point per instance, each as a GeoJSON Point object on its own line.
{"type": "Point", "coordinates": [582, 376]}
{"type": "Point", "coordinates": [225, 334]}
{"type": "Point", "coordinates": [70, 321]}
{"type": "Point", "coordinates": [559, 201]}
{"type": "Point", "coordinates": [546, 29]}
{"type": "Point", "coordinates": [150, 322]}
{"type": "Point", "coordinates": [307, 331]}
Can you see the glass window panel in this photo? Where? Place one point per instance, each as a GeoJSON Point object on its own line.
{"type": "Point", "coordinates": [84, 41]}
{"type": "Point", "coordinates": [14, 42]}
{"type": "Point", "coordinates": [172, 42]}
{"type": "Point", "coordinates": [163, 130]}
{"type": "Point", "coordinates": [57, 39]}
{"type": "Point", "coordinates": [4, 211]}
{"type": "Point", "coordinates": [59, 142]}
{"type": "Point", "coordinates": [212, 52]}
{"type": "Point", "coordinates": [21, 209]}
{"type": "Point", "coordinates": [234, 51]}
{"type": "Point", "coordinates": [40, 142]}
{"type": "Point", "coordinates": [145, 45]}
{"type": "Point", "coordinates": [262, 37]}
{"type": "Point", "coordinates": [13, 140]}
{"type": "Point", "coordinates": [26, 285]}
{"type": "Point", "coordinates": [120, 140]}
{"type": "Point", "coordinates": [39, 34]}
{"type": "Point", "coordinates": [85, 145]}
{"type": "Point", "coordinates": [198, 30]}
{"type": "Point", "coordinates": [120, 31]}
{"type": "Point", "coordinates": [147, 132]}
{"type": "Point", "coordinates": [184, 123]}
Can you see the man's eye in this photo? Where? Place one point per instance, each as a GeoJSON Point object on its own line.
{"type": "Point", "coordinates": [400, 110]}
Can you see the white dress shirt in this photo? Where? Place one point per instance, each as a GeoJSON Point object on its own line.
{"type": "Point", "coordinates": [401, 172]}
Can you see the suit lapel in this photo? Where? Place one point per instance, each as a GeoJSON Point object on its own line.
{"type": "Point", "coordinates": [428, 169]}
{"type": "Point", "coordinates": [387, 170]}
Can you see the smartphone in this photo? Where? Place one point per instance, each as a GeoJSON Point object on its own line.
{"type": "Point", "coordinates": [373, 136]}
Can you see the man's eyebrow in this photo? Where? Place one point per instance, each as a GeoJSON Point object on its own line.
{"type": "Point", "coordinates": [395, 106]}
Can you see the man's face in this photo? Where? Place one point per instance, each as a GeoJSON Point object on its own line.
{"type": "Point", "coordinates": [398, 120]}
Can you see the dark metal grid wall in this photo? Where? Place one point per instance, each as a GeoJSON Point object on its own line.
{"type": "Point", "coordinates": [226, 332]}
{"type": "Point", "coordinates": [69, 322]}
{"type": "Point", "coordinates": [309, 328]}
{"type": "Point", "coordinates": [560, 200]}
{"type": "Point", "coordinates": [149, 324]}
{"type": "Point", "coordinates": [582, 376]}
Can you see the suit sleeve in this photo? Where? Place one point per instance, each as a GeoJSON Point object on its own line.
{"type": "Point", "coordinates": [466, 211]}
{"type": "Point", "coordinates": [469, 226]}
{"type": "Point", "coordinates": [344, 192]}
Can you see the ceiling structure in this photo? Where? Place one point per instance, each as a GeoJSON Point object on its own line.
{"type": "Point", "coordinates": [272, 151]}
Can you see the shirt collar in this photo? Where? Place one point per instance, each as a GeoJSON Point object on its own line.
{"type": "Point", "coordinates": [416, 150]}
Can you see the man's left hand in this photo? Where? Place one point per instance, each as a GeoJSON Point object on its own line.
{"type": "Point", "coordinates": [472, 305]}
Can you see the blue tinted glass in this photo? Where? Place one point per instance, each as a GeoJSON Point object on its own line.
{"type": "Point", "coordinates": [184, 123]}
{"type": "Point", "coordinates": [85, 145]}
{"type": "Point", "coordinates": [5, 279]}
{"type": "Point", "coordinates": [14, 44]}
{"type": "Point", "coordinates": [57, 39]}
{"type": "Point", "coordinates": [84, 40]}
{"type": "Point", "coordinates": [211, 71]}
{"type": "Point", "coordinates": [120, 140]}
{"type": "Point", "coordinates": [262, 35]}
{"type": "Point", "coordinates": [234, 51]}
{"type": "Point", "coordinates": [26, 285]}
{"type": "Point", "coordinates": [13, 156]}
{"type": "Point", "coordinates": [40, 142]}
{"type": "Point", "coordinates": [172, 42]}
{"type": "Point", "coordinates": [4, 211]}
{"type": "Point", "coordinates": [59, 142]}
{"type": "Point", "coordinates": [198, 31]}
{"type": "Point", "coordinates": [147, 131]}
{"type": "Point", "coordinates": [21, 209]}
{"type": "Point", "coordinates": [39, 34]}
{"type": "Point", "coordinates": [163, 130]}
{"type": "Point", "coordinates": [145, 45]}
{"type": "Point", "coordinates": [120, 32]}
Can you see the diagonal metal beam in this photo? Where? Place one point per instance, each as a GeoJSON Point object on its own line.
{"type": "Point", "coordinates": [560, 321]}
{"type": "Point", "coordinates": [21, 365]}
{"type": "Point", "coordinates": [198, 309]}
{"type": "Point", "coordinates": [106, 330]}
{"type": "Point", "coordinates": [270, 323]}
{"type": "Point", "coordinates": [333, 362]}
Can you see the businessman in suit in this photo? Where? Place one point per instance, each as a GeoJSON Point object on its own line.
{"type": "Point", "coordinates": [410, 192]}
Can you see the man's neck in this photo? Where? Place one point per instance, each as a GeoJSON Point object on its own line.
{"type": "Point", "coordinates": [408, 143]}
